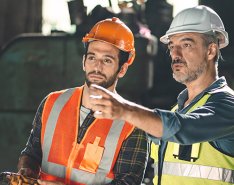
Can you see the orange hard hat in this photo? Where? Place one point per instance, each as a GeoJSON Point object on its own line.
{"type": "Point", "coordinates": [115, 32]}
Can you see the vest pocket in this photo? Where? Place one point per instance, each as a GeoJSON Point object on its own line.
{"type": "Point", "coordinates": [92, 156]}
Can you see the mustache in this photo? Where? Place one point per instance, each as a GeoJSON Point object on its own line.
{"type": "Point", "coordinates": [177, 61]}
{"type": "Point", "coordinates": [97, 73]}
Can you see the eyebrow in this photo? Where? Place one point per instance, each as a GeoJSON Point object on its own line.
{"type": "Point", "coordinates": [90, 53]}
{"type": "Point", "coordinates": [184, 39]}
{"type": "Point", "coordinates": [109, 56]}
{"type": "Point", "coordinates": [188, 39]}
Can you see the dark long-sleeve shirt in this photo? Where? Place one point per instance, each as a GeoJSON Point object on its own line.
{"type": "Point", "coordinates": [213, 122]}
{"type": "Point", "coordinates": [130, 165]}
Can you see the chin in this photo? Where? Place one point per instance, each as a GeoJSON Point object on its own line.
{"type": "Point", "coordinates": [89, 82]}
{"type": "Point", "coordinates": [178, 78]}
{"type": "Point", "coordinates": [102, 84]}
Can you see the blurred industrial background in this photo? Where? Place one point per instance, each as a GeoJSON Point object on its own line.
{"type": "Point", "coordinates": [37, 57]}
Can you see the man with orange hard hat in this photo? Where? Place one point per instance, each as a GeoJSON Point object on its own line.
{"type": "Point", "coordinates": [67, 145]}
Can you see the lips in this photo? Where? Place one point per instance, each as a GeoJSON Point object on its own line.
{"type": "Point", "coordinates": [96, 76]}
{"type": "Point", "coordinates": [177, 66]}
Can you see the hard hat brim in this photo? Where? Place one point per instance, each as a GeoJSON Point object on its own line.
{"type": "Point", "coordinates": [225, 41]}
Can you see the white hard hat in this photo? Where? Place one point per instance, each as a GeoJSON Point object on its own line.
{"type": "Point", "coordinates": [199, 19]}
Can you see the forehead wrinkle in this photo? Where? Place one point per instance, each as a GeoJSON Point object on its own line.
{"type": "Point", "coordinates": [106, 52]}
{"type": "Point", "coordinates": [183, 40]}
{"type": "Point", "coordinates": [190, 37]}
{"type": "Point", "coordinates": [187, 39]}
{"type": "Point", "coordinates": [105, 55]}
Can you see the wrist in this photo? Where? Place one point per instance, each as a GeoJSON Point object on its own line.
{"type": "Point", "coordinates": [28, 167]}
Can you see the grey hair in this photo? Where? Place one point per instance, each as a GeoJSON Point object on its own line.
{"type": "Point", "coordinates": [213, 38]}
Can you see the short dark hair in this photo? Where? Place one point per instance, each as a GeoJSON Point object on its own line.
{"type": "Point", "coordinates": [123, 57]}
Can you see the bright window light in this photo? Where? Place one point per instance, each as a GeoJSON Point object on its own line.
{"type": "Point", "coordinates": [90, 4]}
{"type": "Point", "coordinates": [55, 13]}
{"type": "Point", "coordinates": [179, 5]}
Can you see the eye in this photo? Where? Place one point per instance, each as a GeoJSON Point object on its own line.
{"type": "Point", "coordinates": [90, 57]}
{"type": "Point", "coordinates": [170, 47]}
{"type": "Point", "coordinates": [107, 61]}
{"type": "Point", "coordinates": [186, 45]}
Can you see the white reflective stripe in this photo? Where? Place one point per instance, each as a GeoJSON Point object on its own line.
{"type": "Point", "coordinates": [54, 169]}
{"type": "Point", "coordinates": [107, 158]}
{"type": "Point", "coordinates": [89, 178]}
{"type": "Point", "coordinates": [111, 144]}
{"type": "Point", "coordinates": [198, 171]}
{"type": "Point", "coordinates": [49, 131]}
{"type": "Point", "coordinates": [155, 168]}
{"type": "Point", "coordinates": [79, 175]}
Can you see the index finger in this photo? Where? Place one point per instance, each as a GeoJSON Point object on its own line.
{"type": "Point", "coordinates": [100, 90]}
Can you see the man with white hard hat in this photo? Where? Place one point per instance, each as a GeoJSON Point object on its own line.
{"type": "Point", "coordinates": [193, 144]}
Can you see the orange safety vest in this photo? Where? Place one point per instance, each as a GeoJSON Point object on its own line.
{"type": "Point", "coordinates": [92, 160]}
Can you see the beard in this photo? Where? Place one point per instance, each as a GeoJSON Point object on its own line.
{"type": "Point", "coordinates": [190, 74]}
{"type": "Point", "coordinates": [108, 82]}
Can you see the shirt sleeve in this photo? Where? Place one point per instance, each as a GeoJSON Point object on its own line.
{"type": "Point", "coordinates": [33, 145]}
{"type": "Point", "coordinates": [132, 160]}
{"type": "Point", "coordinates": [212, 122]}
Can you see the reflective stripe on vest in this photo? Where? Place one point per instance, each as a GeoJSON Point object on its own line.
{"type": "Point", "coordinates": [50, 128]}
{"type": "Point", "coordinates": [196, 146]}
{"type": "Point", "coordinates": [198, 171]}
{"type": "Point", "coordinates": [79, 175]}
{"type": "Point", "coordinates": [183, 172]}
{"type": "Point", "coordinates": [52, 120]}
{"type": "Point", "coordinates": [106, 161]}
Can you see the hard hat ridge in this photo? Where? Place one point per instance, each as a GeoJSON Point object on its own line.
{"type": "Point", "coordinates": [115, 32]}
{"type": "Point", "coordinates": [199, 19]}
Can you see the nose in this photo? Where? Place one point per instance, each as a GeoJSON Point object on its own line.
{"type": "Point", "coordinates": [98, 65]}
{"type": "Point", "coordinates": [176, 53]}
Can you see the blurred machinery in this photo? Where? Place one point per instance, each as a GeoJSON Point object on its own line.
{"type": "Point", "coordinates": [32, 65]}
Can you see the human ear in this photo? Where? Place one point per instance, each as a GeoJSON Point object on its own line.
{"type": "Point", "coordinates": [123, 70]}
{"type": "Point", "coordinates": [83, 62]}
{"type": "Point", "coordinates": [212, 51]}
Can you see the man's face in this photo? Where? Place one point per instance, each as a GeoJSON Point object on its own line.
{"type": "Point", "coordinates": [101, 64]}
{"type": "Point", "coordinates": [189, 57]}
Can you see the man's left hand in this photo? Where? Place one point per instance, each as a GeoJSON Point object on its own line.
{"type": "Point", "coordinates": [44, 182]}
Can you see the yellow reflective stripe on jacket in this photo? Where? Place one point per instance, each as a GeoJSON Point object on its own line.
{"type": "Point", "coordinates": [201, 102]}
{"type": "Point", "coordinates": [211, 168]}
{"type": "Point", "coordinates": [196, 146]}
